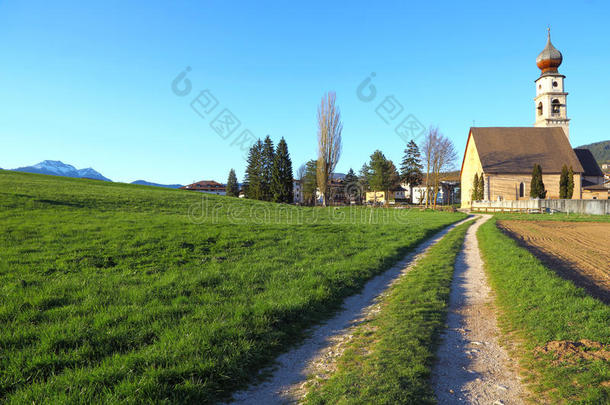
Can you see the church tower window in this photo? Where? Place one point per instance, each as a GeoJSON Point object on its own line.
{"type": "Point", "coordinates": [555, 106]}
{"type": "Point", "coordinates": [540, 108]}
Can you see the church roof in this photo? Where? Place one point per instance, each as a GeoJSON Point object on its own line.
{"type": "Point", "coordinates": [515, 150]}
{"type": "Point", "coordinates": [588, 163]}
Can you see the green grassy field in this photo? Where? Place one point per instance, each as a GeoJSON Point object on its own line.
{"type": "Point", "coordinates": [390, 358]}
{"type": "Point", "coordinates": [121, 293]}
{"type": "Point", "coordinates": [537, 307]}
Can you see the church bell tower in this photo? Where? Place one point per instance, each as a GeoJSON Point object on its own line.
{"type": "Point", "coordinates": [551, 99]}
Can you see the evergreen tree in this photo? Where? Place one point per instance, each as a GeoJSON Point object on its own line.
{"type": "Point", "coordinates": [383, 174]}
{"type": "Point", "coordinates": [563, 182]}
{"type": "Point", "coordinates": [570, 183]}
{"type": "Point", "coordinates": [411, 167]}
{"type": "Point", "coordinates": [254, 170]}
{"type": "Point", "coordinates": [310, 182]}
{"type": "Point", "coordinates": [481, 188]}
{"type": "Point", "coordinates": [267, 158]}
{"type": "Point", "coordinates": [364, 176]}
{"type": "Point", "coordinates": [474, 196]}
{"type": "Point", "coordinates": [537, 185]}
{"type": "Point", "coordinates": [232, 186]}
{"type": "Point", "coordinates": [350, 177]}
{"type": "Point", "coordinates": [281, 185]}
{"type": "Point", "coordinates": [353, 189]}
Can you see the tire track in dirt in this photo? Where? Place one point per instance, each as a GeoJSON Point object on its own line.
{"type": "Point", "coordinates": [312, 356]}
{"type": "Point", "coordinates": [471, 365]}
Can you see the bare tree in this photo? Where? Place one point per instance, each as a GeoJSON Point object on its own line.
{"type": "Point", "coordinates": [329, 141]}
{"type": "Point", "coordinates": [440, 155]}
{"type": "Point", "coordinates": [428, 148]}
{"type": "Point", "coordinates": [444, 159]}
{"type": "Point", "coordinates": [301, 172]}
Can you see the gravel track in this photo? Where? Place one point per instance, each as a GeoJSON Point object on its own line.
{"type": "Point", "coordinates": [471, 365]}
{"type": "Point", "coordinates": [293, 367]}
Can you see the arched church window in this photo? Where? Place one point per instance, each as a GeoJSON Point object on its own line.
{"type": "Point", "coordinates": [540, 108]}
{"type": "Point", "coordinates": [521, 189]}
{"type": "Point", "coordinates": [555, 106]}
{"type": "Point", "coordinates": [555, 84]}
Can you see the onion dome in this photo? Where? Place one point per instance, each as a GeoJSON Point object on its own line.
{"type": "Point", "coordinates": [550, 58]}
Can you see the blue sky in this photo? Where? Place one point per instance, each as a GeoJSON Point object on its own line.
{"type": "Point", "coordinates": [90, 83]}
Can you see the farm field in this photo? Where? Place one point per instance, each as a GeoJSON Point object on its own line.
{"type": "Point", "coordinates": [561, 333]}
{"type": "Point", "coordinates": [122, 293]}
{"type": "Point", "coordinates": [577, 251]}
{"type": "Point", "coordinates": [558, 216]}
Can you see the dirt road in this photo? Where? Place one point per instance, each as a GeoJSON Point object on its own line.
{"type": "Point", "coordinates": [577, 251]}
{"type": "Point", "coordinates": [314, 354]}
{"type": "Point", "coordinates": [471, 366]}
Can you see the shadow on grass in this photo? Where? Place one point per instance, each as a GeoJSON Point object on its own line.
{"type": "Point", "coordinates": [563, 269]}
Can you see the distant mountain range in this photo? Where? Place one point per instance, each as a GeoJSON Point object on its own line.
{"type": "Point", "coordinates": [147, 183]}
{"type": "Point", "coordinates": [600, 151]}
{"type": "Point", "coordinates": [57, 168]}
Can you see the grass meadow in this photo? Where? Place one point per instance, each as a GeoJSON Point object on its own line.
{"type": "Point", "coordinates": [537, 307]}
{"type": "Point", "coordinates": [389, 360]}
{"type": "Point", "coordinates": [120, 293]}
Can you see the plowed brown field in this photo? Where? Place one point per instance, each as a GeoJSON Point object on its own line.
{"type": "Point", "coordinates": [577, 251]}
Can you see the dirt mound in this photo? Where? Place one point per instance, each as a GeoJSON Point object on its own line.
{"type": "Point", "coordinates": [571, 352]}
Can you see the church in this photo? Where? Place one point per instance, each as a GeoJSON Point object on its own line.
{"type": "Point", "coordinates": [505, 156]}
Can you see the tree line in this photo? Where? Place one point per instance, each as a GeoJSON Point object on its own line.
{"type": "Point", "coordinates": [268, 173]}
{"type": "Point", "coordinates": [269, 170]}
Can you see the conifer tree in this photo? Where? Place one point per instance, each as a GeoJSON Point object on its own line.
{"type": "Point", "coordinates": [232, 186]}
{"type": "Point", "coordinates": [350, 177]}
{"type": "Point", "coordinates": [253, 178]}
{"type": "Point", "coordinates": [481, 188]}
{"type": "Point", "coordinates": [411, 167]}
{"type": "Point", "coordinates": [570, 183]}
{"type": "Point", "coordinates": [474, 196]}
{"type": "Point", "coordinates": [281, 185]}
{"type": "Point", "coordinates": [310, 182]}
{"type": "Point", "coordinates": [353, 190]}
{"type": "Point", "coordinates": [537, 185]}
{"type": "Point", "coordinates": [267, 158]}
{"type": "Point", "coordinates": [563, 182]}
{"type": "Point", "coordinates": [364, 177]}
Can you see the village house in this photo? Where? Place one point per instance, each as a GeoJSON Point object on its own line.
{"type": "Point", "coordinates": [207, 186]}
{"type": "Point", "coordinates": [505, 156]}
{"type": "Point", "coordinates": [297, 192]}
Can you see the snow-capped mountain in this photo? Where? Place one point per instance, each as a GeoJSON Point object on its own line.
{"type": "Point", "coordinates": [57, 168]}
{"type": "Point", "coordinates": [147, 183]}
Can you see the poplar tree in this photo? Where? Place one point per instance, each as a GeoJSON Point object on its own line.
{"type": "Point", "coordinates": [232, 186]}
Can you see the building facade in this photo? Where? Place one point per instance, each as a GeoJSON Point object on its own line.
{"type": "Point", "coordinates": [505, 156]}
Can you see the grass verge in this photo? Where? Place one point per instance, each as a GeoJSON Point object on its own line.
{"type": "Point", "coordinates": [539, 307]}
{"type": "Point", "coordinates": [116, 293]}
{"type": "Point", "coordinates": [390, 358]}
{"type": "Point", "coordinates": [549, 217]}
